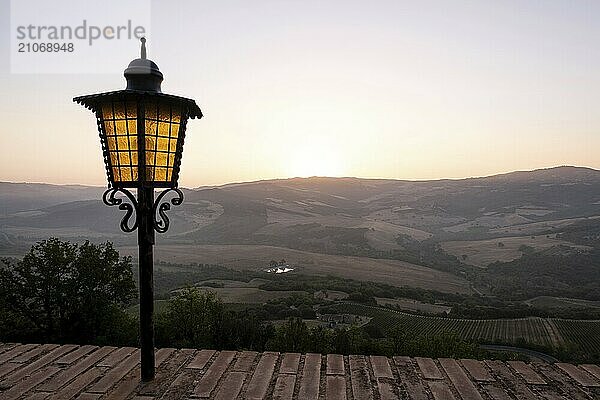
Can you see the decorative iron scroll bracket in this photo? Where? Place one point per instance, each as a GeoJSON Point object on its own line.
{"type": "Point", "coordinates": [161, 224]}
{"type": "Point", "coordinates": [160, 220]}
{"type": "Point", "coordinates": [110, 200]}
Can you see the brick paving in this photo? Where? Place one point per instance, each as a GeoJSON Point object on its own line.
{"type": "Point", "coordinates": [47, 371]}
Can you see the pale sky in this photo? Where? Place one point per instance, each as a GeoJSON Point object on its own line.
{"type": "Point", "coordinates": [387, 89]}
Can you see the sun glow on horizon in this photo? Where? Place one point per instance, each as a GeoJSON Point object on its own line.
{"type": "Point", "coordinates": [300, 89]}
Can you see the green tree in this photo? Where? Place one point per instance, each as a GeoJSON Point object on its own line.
{"type": "Point", "coordinates": [320, 340]}
{"type": "Point", "coordinates": [194, 319]}
{"type": "Point", "coordinates": [398, 338]}
{"type": "Point", "coordinates": [341, 342]}
{"type": "Point", "coordinates": [61, 291]}
{"type": "Point", "coordinates": [198, 319]}
{"type": "Point", "coordinates": [293, 336]}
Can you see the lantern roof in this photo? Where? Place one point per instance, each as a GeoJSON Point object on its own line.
{"type": "Point", "coordinates": [94, 101]}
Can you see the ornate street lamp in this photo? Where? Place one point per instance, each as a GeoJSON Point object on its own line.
{"type": "Point", "coordinates": [142, 132]}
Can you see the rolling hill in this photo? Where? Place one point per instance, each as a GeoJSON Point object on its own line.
{"type": "Point", "coordinates": [447, 224]}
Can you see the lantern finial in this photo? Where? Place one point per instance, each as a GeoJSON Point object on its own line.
{"type": "Point", "coordinates": [143, 74]}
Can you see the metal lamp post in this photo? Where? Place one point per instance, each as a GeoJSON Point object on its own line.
{"type": "Point", "coordinates": [142, 131]}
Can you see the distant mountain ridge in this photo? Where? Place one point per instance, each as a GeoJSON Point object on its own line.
{"type": "Point", "coordinates": [558, 172]}
{"type": "Point", "coordinates": [15, 197]}
{"type": "Point", "coordinates": [81, 191]}
{"type": "Point", "coordinates": [351, 216]}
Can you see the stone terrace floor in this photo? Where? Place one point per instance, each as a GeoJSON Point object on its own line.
{"type": "Point", "coordinates": [48, 371]}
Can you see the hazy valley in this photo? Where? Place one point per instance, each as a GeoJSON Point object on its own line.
{"type": "Point", "coordinates": [479, 220]}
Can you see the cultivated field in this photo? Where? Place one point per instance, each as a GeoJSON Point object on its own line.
{"type": "Point", "coordinates": [481, 253]}
{"type": "Point", "coordinates": [249, 295]}
{"type": "Point", "coordinates": [413, 305]}
{"type": "Point", "coordinates": [535, 228]}
{"type": "Point", "coordinates": [381, 235]}
{"type": "Point", "coordinates": [253, 283]}
{"type": "Point", "coordinates": [413, 222]}
{"type": "Point", "coordinates": [585, 334]}
{"type": "Point", "coordinates": [331, 295]}
{"type": "Point", "coordinates": [251, 257]}
{"type": "Point", "coordinates": [244, 292]}
{"type": "Point", "coordinates": [561, 302]}
{"type": "Point", "coordinates": [488, 221]}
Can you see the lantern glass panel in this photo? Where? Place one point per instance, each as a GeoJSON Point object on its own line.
{"type": "Point", "coordinates": [162, 123]}
{"type": "Point", "coordinates": [119, 123]}
{"type": "Point", "coordinates": [129, 152]}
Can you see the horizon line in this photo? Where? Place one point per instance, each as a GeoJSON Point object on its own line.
{"type": "Point", "coordinates": [208, 186]}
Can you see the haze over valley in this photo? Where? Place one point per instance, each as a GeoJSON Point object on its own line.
{"type": "Point", "coordinates": [394, 230]}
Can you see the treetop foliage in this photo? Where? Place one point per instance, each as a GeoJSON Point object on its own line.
{"type": "Point", "coordinates": [65, 292]}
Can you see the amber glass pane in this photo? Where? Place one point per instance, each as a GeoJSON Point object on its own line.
{"type": "Point", "coordinates": [176, 115]}
{"type": "Point", "coordinates": [114, 158]}
{"type": "Point", "coordinates": [107, 111]}
{"type": "Point", "coordinates": [150, 127]}
{"type": "Point", "coordinates": [125, 174]}
{"type": "Point", "coordinates": [121, 127]}
{"type": "Point", "coordinates": [160, 174]}
{"type": "Point", "coordinates": [174, 130]}
{"type": "Point", "coordinates": [123, 143]}
{"type": "Point", "coordinates": [116, 176]}
{"type": "Point", "coordinates": [150, 157]}
{"type": "Point", "coordinates": [161, 159]}
{"type": "Point", "coordinates": [132, 126]}
{"type": "Point", "coordinates": [131, 110]}
{"type": "Point", "coordinates": [119, 111]}
{"type": "Point", "coordinates": [133, 143]}
{"type": "Point", "coordinates": [151, 109]}
{"type": "Point", "coordinates": [171, 160]}
{"type": "Point", "coordinates": [150, 142]}
{"type": "Point", "coordinates": [172, 145]}
{"type": "Point", "coordinates": [163, 144]}
{"type": "Point", "coordinates": [134, 174]}
{"type": "Point", "coordinates": [164, 112]}
{"type": "Point", "coordinates": [109, 127]}
{"type": "Point", "coordinates": [169, 174]}
{"type": "Point", "coordinates": [124, 158]}
{"type": "Point", "coordinates": [111, 142]}
{"type": "Point", "coordinates": [163, 129]}
{"type": "Point", "coordinates": [150, 173]}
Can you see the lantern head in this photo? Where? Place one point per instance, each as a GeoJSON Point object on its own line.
{"type": "Point", "coordinates": [142, 130]}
